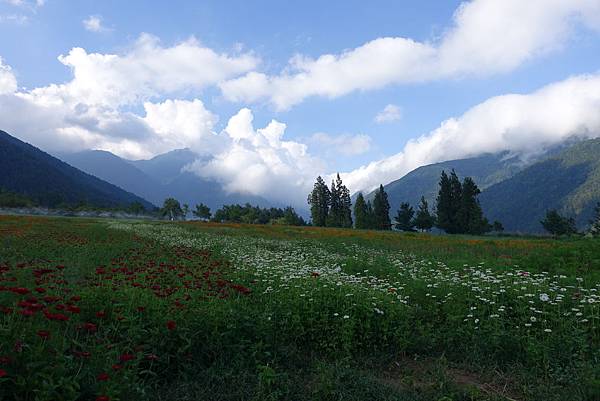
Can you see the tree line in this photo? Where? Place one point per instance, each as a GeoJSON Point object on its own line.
{"type": "Point", "coordinates": [235, 213]}
{"type": "Point", "coordinates": [457, 209]}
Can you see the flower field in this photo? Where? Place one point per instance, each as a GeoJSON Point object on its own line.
{"type": "Point", "coordinates": [116, 310]}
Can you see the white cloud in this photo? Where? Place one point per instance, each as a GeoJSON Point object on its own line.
{"type": "Point", "coordinates": [345, 144]}
{"type": "Point", "coordinates": [146, 70]}
{"type": "Point", "coordinates": [390, 113]}
{"type": "Point", "coordinates": [487, 37]}
{"type": "Point", "coordinates": [523, 124]}
{"type": "Point", "coordinates": [93, 23]}
{"type": "Point", "coordinates": [260, 162]}
{"type": "Point", "coordinates": [8, 82]}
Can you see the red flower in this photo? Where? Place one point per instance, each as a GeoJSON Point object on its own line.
{"type": "Point", "coordinates": [40, 290]}
{"type": "Point", "coordinates": [126, 357]}
{"type": "Point", "coordinates": [152, 357]}
{"type": "Point", "coordinates": [44, 334]}
{"type": "Point", "coordinates": [171, 325]}
{"type": "Point", "coordinates": [141, 309]}
{"type": "Point", "coordinates": [103, 398]}
{"type": "Point", "coordinates": [91, 327]}
{"type": "Point", "coordinates": [102, 377]}
{"type": "Point", "coordinates": [116, 367]}
{"type": "Point", "coordinates": [3, 373]}
{"type": "Point", "coordinates": [100, 314]}
{"type": "Point", "coordinates": [73, 309]}
{"type": "Point", "coordinates": [4, 360]}
{"type": "Point", "coordinates": [20, 290]}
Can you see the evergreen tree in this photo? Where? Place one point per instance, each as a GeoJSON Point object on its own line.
{"type": "Point", "coordinates": [469, 217]}
{"type": "Point", "coordinates": [381, 210]}
{"type": "Point", "coordinates": [497, 226]}
{"type": "Point", "coordinates": [445, 204]}
{"type": "Point", "coordinates": [595, 222]}
{"type": "Point", "coordinates": [424, 220]}
{"type": "Point", "coordinates": [334, 218]}
{"type": "Point", "coordinates": [172, 209]}
{"type": "Point", "coordinates": [318, 200]}
{"type": "Point", "coordinates": [404, 218]}
{"type": "Point", "coordinates": [361, 214]}
{"type": "Point", "coordinates": [202, 211]}
{"type": "Point", "coordinates": [345, 204]}
{"type": "Point", "coordinates": [136, 207]}
{"type": "Point", "coordinates": [371, 217]}
{"type": "Point", "coordinates": [558, 225]}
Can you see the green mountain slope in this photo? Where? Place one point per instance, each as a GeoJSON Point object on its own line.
{"type": "Point", "coordinates": [568, 181]}
{"type": "Point", "coordinates": [486, 170]}
{"type": "Point", "coordinates": [50, 182]}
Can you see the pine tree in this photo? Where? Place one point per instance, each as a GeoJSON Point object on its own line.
{"type": "Point", "coordinates": [319, 200]}
{"type": "Point", "coordinates": [595, 222]}
{"type": "Point", "coordinates": [444, 204]}
{"type": "Point", "coordinates": [424, 219]}
{"type": "Point", "coordinates": [335, 208]}
{"type": "Point", "coordinates": [404, 218]}
{"type": "Point", "coordinates": [345, 204]}
{"type": "Point", "coordinates": [381, 210]}
{"type": "Point", "coordinates": [469, 217]}
{"type": "Point", "coordinates": [371, 224]}
{"type": "Point", "coordinates": [361, 214]}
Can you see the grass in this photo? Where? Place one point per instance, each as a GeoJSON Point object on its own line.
{"type": "Point", "coordinates": [116, 310]}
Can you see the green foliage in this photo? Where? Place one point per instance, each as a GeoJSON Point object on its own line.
{"type": "Point", "coordinates": [361, 214]}
{"type": "Point", "coordinates": [136, 208]}
{"type": "Point", "coordinates": [249, 214]}
{"type": "Point", "coordinates": [11, 199]}
{"type": "Point", "coordinates": [424, 220]}
{"type": "Point", "coordinates": [404, 218]}
{"type": "Point", "coordinates": [557, 225]}
{"type": "Point", "coordinates": [202, 211]}
{"type": "Point", "coordinates": [458, 210]}
{"type": "Point", "coordinates": [340, 205]}
{"type": "Point", "coordinates": [172, 209]}
{"type": "Point", "coordinates": [319, 200]}
{"type": "Point", "coordinates": [381, 210]}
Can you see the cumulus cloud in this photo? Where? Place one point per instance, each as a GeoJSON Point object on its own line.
{"type": "Point", "coordinates": [390, 113]}
{"type": "Point", "coordinates": [93, 23]}
{"type": "Point", "coordinates": [261, 162]}
{"type": "Point", "coordinates": [146, 70]}
{"type": "Point", "coordinates": [8, 82]}
{"type": "Point", "coordinates": [344, 144]}
{"type": "Point", "coordinates": [487, 37]}
{"type": "Point", "coordinates": [524, 124]}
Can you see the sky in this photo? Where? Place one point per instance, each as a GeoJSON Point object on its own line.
{"type": "Point", "coordinates": [277, 93]}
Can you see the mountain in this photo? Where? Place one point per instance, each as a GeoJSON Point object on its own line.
{"type": "Point", "coordinates": [486, 170]}
{"type": "Point", "coordinates": [158, 178]}
{"type": "Point", "coordinates": [568, 181]}
{"type": "Point", "coordinates": [50, 182]}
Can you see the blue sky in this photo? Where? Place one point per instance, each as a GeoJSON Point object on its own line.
{"type": "Point", "coordinates": [33, 35]}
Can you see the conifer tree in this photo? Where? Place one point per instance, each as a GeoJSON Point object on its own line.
{"type": "Point", "coordinates": [469, 217]}
{"type": "Point", "coordinates": [404, 218]}
{"type": "Point", "coordinates": [595, 222]}
{"type": "Point", "coordinates": [381, 210]}
{"type": "Point", "coordinates": [444, 206]}
{"type": "Point", "coordinates": [345, 204]}
{"type": "Point", "coordinates": [335, 210]}
{"type": "Point", "coordinates": [370, 216]}
{"type": "Point", "coordinates": [319, 200]}
{"type": "Point", "coordinates": [361, 213]}
{"type": "Point", "coordinates": [424, 220]}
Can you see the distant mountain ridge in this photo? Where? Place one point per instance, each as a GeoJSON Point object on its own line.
{"type": "Point", "coordinates": [160, 177]}
{"type": "Point", "coordinates": [516, 193]}
{"type": "Point", "coordinates": [51, 182]}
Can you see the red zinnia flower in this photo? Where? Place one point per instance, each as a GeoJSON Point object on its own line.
{"type": "Point", "coordinates": [45, 334]}
{"type": "Point", "coordinates": [126, 357]}
{"type": "Point", "coordinates": [116, 367]}
{"type": "Point", "coordinates": [101, 314]}
{"type": "Point", "coordinates": [3, 373]}
{"type": "Point", "coordinates": [103, 398]}
{"type": "Point", "coordinates": [102, 377]}
{"type": "Point", "coordinates": [171, 325]}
